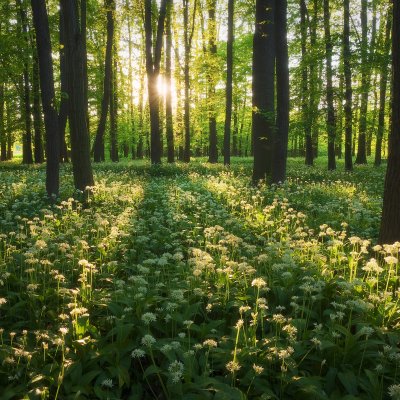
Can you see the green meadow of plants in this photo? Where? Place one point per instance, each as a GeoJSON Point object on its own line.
{"type": "Point", "coordinates": [185, 282]}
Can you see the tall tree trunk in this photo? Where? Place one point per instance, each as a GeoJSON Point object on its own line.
{"type": "Point", "coordinates": [27, 157]}
{"type": "Point", "coordinates": [85, 63]}
{"type": "Point", "coordinates": [63, 111]}
{"type": "Point", "coordinates": [229, 83]}
{"type": "Point", "coordinates": [98, 149]}
{"type": "Point", "coordinates": [282, 94]}
{"type": "Point", "coordinates": [114, 111]}
{"type": "Point", "coordinates": [3, 142]}
{"type": "Point", "coordinates": [306, 96]}
{"type": "Point", "coordinates": [331, 120]}
{"type": "Point", "coordinates": [348, 107]}
{"type": "Point", "coordinates": [235, 131]}
{"type": "Point", "coordinates": [153, 59]}
{"type": "Point", "coordinates": [314, 92]}
{"type": "Point", "coordinates": [212, 49]}
{"type": "Point", "coordinates": [80, 143]}
{"type": "Point", "coordinates": [37, 114]}
{"type": "Point", "coordinates": [382, 92]}
{"type": "Point", "coordinates": [263, 119]}
{"type": "Point", "coordinates": [168, 77]}
{"type": "Point", "coordinates": [361, 150]}
{"type": "Point", "coordinates": [43, 44]}
{"type": "Point", "coordinates": [390, 225]}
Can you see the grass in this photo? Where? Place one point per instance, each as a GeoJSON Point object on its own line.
{"type": "Point", "coordinates": [187, 282]}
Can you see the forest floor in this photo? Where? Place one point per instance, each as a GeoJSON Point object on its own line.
{"type": "Point", "coordinates": [186, 282]}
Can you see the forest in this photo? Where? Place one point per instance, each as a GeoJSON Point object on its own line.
{"type": "Point", "coordinates": [200, 199]}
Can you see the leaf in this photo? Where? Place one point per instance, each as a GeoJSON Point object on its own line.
{"type": "Point", "coordinates": [152, 370]}
{"type": "Point", "coordinates": [349, 381]}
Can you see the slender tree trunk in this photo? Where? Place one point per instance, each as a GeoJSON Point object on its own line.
{"type": "Point", "coordinates": [229, 83]}
{"type": "Point", "coordinates": [235, 132]}
{"type": "Point", "coordinates": [114, 110]}
{"type": "Point", "coordinates": [168, 77]}
{"type": "Point", "coordinates": [212, 49]}
{"type": "Point", "coordinates": [187, 150]}
{"type": "Point", "coordinates": [63, 111]}
{"type": "Point", "coordinates": [98, 149]}
{"type": "Point", "coordinates": [43, 44]}
{"type": "Point", "coordinates": [390, 225]}
{"type": "Point", "coordinates": [281, 134]}
{"type": "Point", "coordinates": [361, 150]}
{"type": "Point", "coordinates": [36, 112]}
{"type": "Point", "coordinates": [331, 120]}
{"type": "Point", "coordinates": [85, 64]}
{"type": "Point", "coordinates": [80, 143]}
{"type": "Point", "coordinates": [27, 157]}
{"type": "Point", "coordinates": [3, 150]}
{"type": "Point", "coordinates": [304, 85]}
{"type": "Point", "coordinates": [314, 92]}
{"type": "Point", "coordinates": [382, 92]}
{"type": "Point", "coordinates": [348, 107]}
{"type": "Point", "coordinates": [263, 119]}
{"type": "Point", "coordinates": [153, 59]}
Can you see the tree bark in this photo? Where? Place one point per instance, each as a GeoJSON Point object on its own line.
{"type": "Point", "coordinates": [384, 67]}
{"type": "Point", "coordinates": [331, 119]}
{"type": "Point", "coordinates": [43, 44]}
{"type": "Point", "coordinates": [27, 157]}
{"type": "Point", "coordinates": [3, 151]}
{"type": "Point", "coordinates": [229, 83]}
{"type": "Point", "coordinates": [80, 143]}
{"type": "Point", "coordinates": [212, 50]}
{"type": "Point", "coordinates": [63, 111]}
{"type": "Point", "coordinates": [282, 94]}
{"type": "Point", "coordinates": [390, 224]}
{"type": "Point", "coordinates": [168, 77]}
{"type": "Point", "coordinates": [362, 149]}
{"type": "Point", "coordinates": [263, 118]}
{"type": "Point", "coordinates": [98, 149]}
{"type": "Point", "coordinates": [114, 111]}
{"type": "Point", "coordinates": [348, 107]}
{"type": "Point", "coordinates": [153, 59]}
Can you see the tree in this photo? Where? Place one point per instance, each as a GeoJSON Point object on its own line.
{"type": "Point", "coordinates": [384, 69]}
{"type": "Point", "coordinates": [306, 96]}
{"type": "Point", "coordinates": [27, 157]}
{"type": "Point", "coordinates": [43, 45]}
{"type": "Point", "coordinates": [98, 149]}
{"type": "Point", "coordinates": [390, 224]}
{"type": "Point", "coordinates": [168, 77]}
{"type": "Point", "coordinates": [229, 83]}
{"type": "Point", "coordinates": [362, 149]}
{"type": "Point", "coordinates": [80, 144]}
{"type": "Point", "coordinates": [348, 108]}
{"type": "Point", "coordinates": [279, 156]}
{"type": "Point", "coordinates": [331, 120]}
{"type": "Point", "coordinates": [263, 124]}
{"type": "Point", "coordinates": [212, 50]}
{"type": "Point", "coordinates": [114, 110]}
{"type": "Point", "coordinates": [153, 60]}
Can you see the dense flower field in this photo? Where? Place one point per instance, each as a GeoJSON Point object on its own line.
{"type": "Point", "coordinates": [186, 282]}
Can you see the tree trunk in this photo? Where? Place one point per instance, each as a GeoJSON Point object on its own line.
{"type": "Point", "coordinates": [229, 83]}
{"type": "Point", "coordinates": [390, 225]}
{"type": "Point", "coordinates": [305, 95]}
{"type": "Point", "coordinates": [27, 157]}
{"type": "Point", "coordinates": [153, 59]}
{"type": "Point", "coordinates": [114, 111]}
{"type": "Point", "coordinates": [63, 111]}
{"type": "Point", "coordinates": [98, 149]}
{"type": "Point", "coordinates": [361, 150]}
{"type": "Point", "coordinates": [382, 92]}
{"type": "Point", "coordinates": [37, 114]}
{"type": "Point", "coordinates": [80, 143]}
{"type": "Point", "coordinates": [85, 64]}
{"type": "Point", "coordinates": [348, 107]}
{"type": "Point", "coordinates": [282, 94]}
{"type": "Point", "coordinates": [3, 150]}
{"type": "Point", "coordinates": [212, 49]}
{"type": "Point", "coordinates": [331, 120]}
{"type": "Point", "coordinates": [263, 118]}
{"type": "Point", "coordinates": [168, 77]}
{"type": "Point", "coordinates": [43, 44]}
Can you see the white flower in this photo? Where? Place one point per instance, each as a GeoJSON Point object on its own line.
{"type": "Point", "coordinates": [107, 383]}
{"type": "Point", "coordinates": [148, 340]}
{"type": "Point", "coordinates": [259, 283]}
{"type": "Point", "coordinates": [138, 353]}
{"type": "Point", "coordinates": [147, 318]}
{"type": "Point", "coordinates": [394, 392]}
